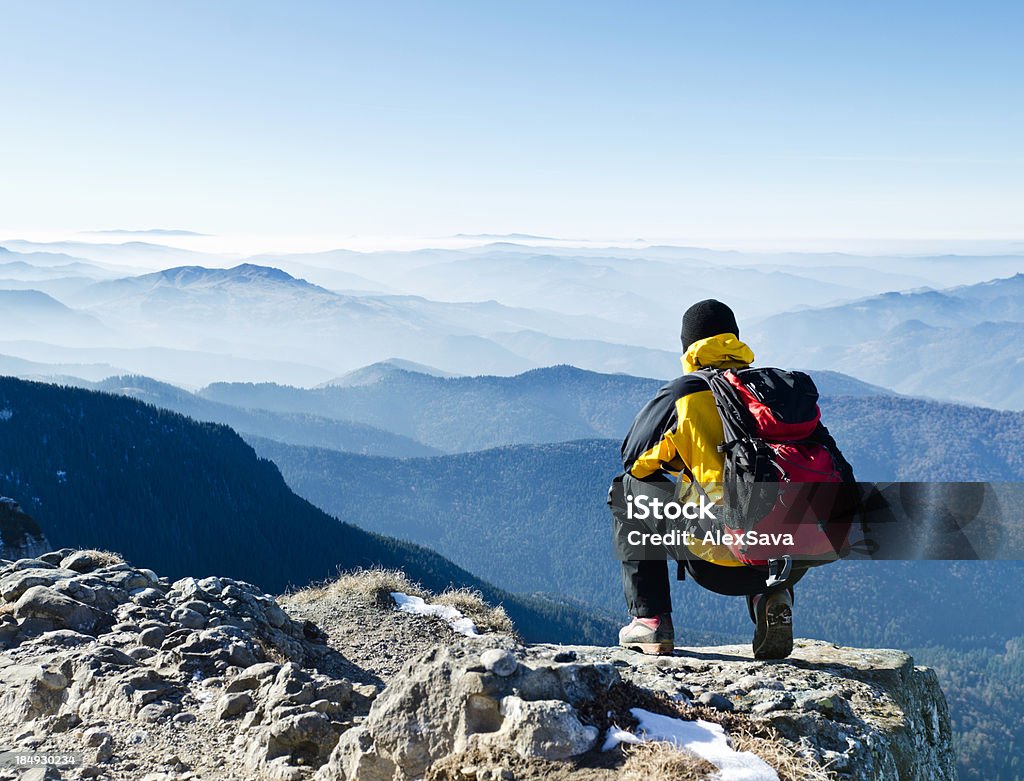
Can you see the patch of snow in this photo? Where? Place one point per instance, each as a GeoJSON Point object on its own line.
{"type": "Point", "coordinates": [703, 738]}
{"type": "Point", "coordinates": [617, 735]}
{"type": "Point", "coordinates": [417, 606]}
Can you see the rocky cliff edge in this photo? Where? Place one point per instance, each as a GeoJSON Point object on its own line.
{"type": "Point", "coordinates": [370, 678]}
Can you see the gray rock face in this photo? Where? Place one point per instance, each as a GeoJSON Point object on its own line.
{"type": "Point", "coordinates": [867, 715]}
{"type": "Point", "coordinates": [212, 679]}
{"type": "Point", "coordinates": [44, 602]}
{"type": "Point", "coordinates": [97, 655]}
{"type": "Point", "coordinates": [20, 535]}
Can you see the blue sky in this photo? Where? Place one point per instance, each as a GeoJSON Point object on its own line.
{"type": "Point", "coordinates": [683, 119]}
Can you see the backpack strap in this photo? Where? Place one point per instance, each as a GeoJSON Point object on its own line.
{"type": "Point", "coordinates": [706, 374]}
{"type": "Point", "coordinates": [688, 473]}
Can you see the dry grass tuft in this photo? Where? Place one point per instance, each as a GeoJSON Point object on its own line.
{"type": "Point", "coordinates": [471, 604]}
{"type": "Point", "coordinates": [665, 762]}
{"type": "Point", "coordinates": [376, 583]}
{"type": "Point", "coordinates": [789, 765]}
{"type": "Point", "coordinates": [105, 558]}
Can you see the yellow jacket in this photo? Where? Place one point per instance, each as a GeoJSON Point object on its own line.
{"type": "Point", "coordinates": [681, 425]}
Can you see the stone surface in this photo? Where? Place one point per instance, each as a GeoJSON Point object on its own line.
{"type": "Point", "coordinates": [212, 679]}
{"type": "Point", "coordinates": [499, 661]}
{"type": "Point", "coordinates": [866, 714]}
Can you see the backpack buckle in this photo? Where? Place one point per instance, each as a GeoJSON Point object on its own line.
{"type": "Point", "coordinates": [779, 571]}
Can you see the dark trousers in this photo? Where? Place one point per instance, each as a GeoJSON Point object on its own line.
{"type": "Point", "coordinates": [645, 584]}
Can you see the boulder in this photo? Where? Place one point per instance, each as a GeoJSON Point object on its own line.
{"type": "Point", "coordinates": [46, 603]}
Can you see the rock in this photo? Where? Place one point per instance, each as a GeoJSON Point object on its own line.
{"type": "Point", "coordinates": [147, 595]}
{"type": "Point", "coordinates": [48, 604]}
{"type": "Point", "coordinates": [105, 750]}
{"type": "Point", "coordinates": [549, 729]}
{"type": "Point", "coordinates": [231, 705]}
{"type": "Point", "coordinates": [83, 651]}
{"type": "Point", "coordinates": [198, 606]}
{"type": "Point", "coordinates": [441, 704]}
{"type": "Point", "coordinates": [499, 661]}
{"type": "Point", "coordinates": [141, 653]}
{"type": "Point", "coordinates": [251, 677]}
{"type": "Point", "coordinates": [188, 618]}
{"type": "Point", "coordinates": [152, 636]}
{"type": "Point", "coordinates": [240, 655]}
{"type": "Point", "coordinates": [45, 773]}
{"type": "Point", "coordinates": [276, 617]}
{"type": "Point", "coordinates": [337, 692]}
{"type": "Point", "coordinates": [84, 561]}
{"type": "Point", "coordinates": [716, 701]}
{"type": "Point", "coordinates": [156, 712]}
{"type": "Point", "coordinates": [312, 734]}
{"type": "Point", "coordinates": [13, 585]}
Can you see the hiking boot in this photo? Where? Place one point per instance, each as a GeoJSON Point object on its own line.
{"type": "Point", "coordinates": [773, 634]}
{"type": "Point", "coordinates": [650, 635]}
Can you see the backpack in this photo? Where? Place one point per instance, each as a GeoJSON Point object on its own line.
{"type": "Point", "coordinates": [784, 474]}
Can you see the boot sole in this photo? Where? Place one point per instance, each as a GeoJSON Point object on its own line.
{"type": "Point", "coordinates": [777, 642]}
{"type": "Point", "coordinates": [652, 649]}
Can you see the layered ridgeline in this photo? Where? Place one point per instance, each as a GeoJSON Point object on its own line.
{"type": "Point", "coordinates": [960, 343]}
{"type": "Point", "coordinates": [456, 414]}
{"type": "Point", "coordinates": [296, 428]}
{"type": "Point", "coordinates": [105, 471]}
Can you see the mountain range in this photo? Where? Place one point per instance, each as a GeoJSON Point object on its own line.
{"type": "Point", "coordinates": [98, 470]}
{"type": "Point", "coordinates": [454, 414]}
{"type": "Point", "coordinates": [504, 308]}
{"type": "Point", "coordinates": [958, 344]}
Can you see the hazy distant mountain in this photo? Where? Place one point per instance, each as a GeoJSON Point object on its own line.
{"type": "Point", "coordinates": [375, 372]}
{"type": "Point", "coordinates": [147, 232]}
{"type": "Point", "coordinates": [19, 367]}
{"type": "Point", "coordinates": [30, 314]}
{"type": "Point", "coordinates": [23, 270]}
{"type": "Point", "coordinates": [995, 300]}
{"type": "Point", "coordinates": [59, 276]}
{"type": "Point", "coordinates": [471, 413]}
{"type": "Point", "coordinates": [59, 288]}
{"type": "Point", "coordinates": [192, 368]}
{"type": "Point", "coordinates": [959, 344]}
{"type": "Point", "coordinates": [43, 259]}
{"type": "Point", "coordinates": [332, 278]}
{"type": "Point", "coordinates": [874, 267]}
{"type": "Point", "coordinates": [261, 312]}
{"type": "Point", "coordinates": [139, 254]}
{"type": "Point", "coordinates": [592, 354]}
{"type": "Point", "coordinates": [291, 428]}
{"type": "Point", "coordinates": [503, 236]}
{"type": "Point", "coordinates": [505, 308]}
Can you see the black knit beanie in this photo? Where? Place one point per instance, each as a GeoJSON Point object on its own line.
{"type": "Point", "coordinates": [707, 318]}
